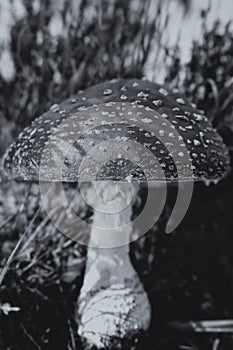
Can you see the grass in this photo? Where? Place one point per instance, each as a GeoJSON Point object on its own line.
{"type": "Point", "coordinates": [189, 274]}
{"type": "Point", "coordinates": [49, 68]}
{"type": "Point", "coordinates": [208, 77]}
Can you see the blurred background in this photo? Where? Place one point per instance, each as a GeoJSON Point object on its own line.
{"type": "Point", "coordinates": [49, 50]}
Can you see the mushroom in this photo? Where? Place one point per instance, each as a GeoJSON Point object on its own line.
{"type": "Point", "coordinates": [104, 124]}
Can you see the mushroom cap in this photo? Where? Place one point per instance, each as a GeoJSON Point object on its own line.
{"type": "Point", "coordinates": [162, 121]}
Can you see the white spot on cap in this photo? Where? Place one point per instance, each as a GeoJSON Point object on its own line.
{"type": "Point", "coordinates": [180, 101]}
{"type": "Point", "coordinates": [124, 88]}
{"type": "Point", "coordinates": [142, 94]}
{"type": "Point", "coordinates": [124, 97]}
{"type": "Point", "coordinates": [161, 132]}
{"type": "Point", "coordinates": [107, 92]}
{"type": "Point", "coordinates": [147, 120]}
{"type": "Point", "coordinates": [73, 100]}
{"type": "Point", "coordinates": [198, 117]}
{"type": "Point", "coordinates": [163, 91]}
{"type": "Point", "coordinates": [157, 103]}
{"type": "Point", "coordinates": [55, 108]}
{"type": "Point", "coordinates": [196, 142]}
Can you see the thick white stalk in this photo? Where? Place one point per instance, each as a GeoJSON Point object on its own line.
{"type": "Point", "coordinates": [111, 224]}
{"type": "Point", "coordinates": [112, 302]}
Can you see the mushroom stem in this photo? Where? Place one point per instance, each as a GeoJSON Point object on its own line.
{"type": "Point", "coordinates": [112, 303]}
{"type": "Point", "coordinates": [111, 224]}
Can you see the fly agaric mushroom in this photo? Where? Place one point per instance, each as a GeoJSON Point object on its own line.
{"type": "Point", "coordinates": [113, 303]}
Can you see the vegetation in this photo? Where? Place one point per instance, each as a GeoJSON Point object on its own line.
{"type": "Point", "coordinates": [208, 77]}
{"type": "Point", "coordinates": [57, 53]}
{"type": "Point", "coordinates": [188, 275]}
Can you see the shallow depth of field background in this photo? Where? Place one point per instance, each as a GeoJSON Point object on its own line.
{"type": "Point", "coordinates": [48, 51]}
